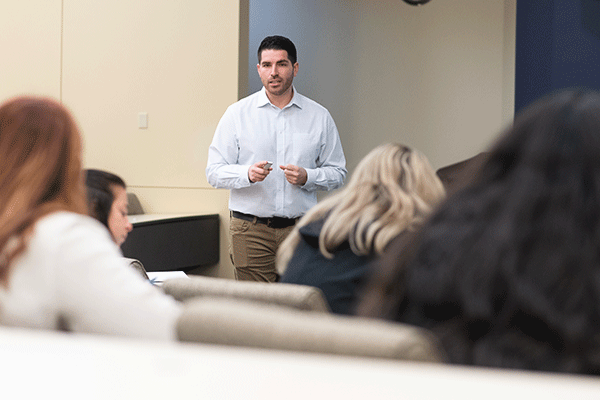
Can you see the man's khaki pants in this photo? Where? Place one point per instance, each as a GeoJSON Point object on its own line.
{"type": "Point", "coordinates": [252, 249]}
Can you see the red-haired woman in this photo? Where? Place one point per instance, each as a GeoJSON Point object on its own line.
{"type": "Point", "coordinates": [59, 268]}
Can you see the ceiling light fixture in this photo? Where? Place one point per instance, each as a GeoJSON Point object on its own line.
{"type": "Point", "coordinates": [416, 2]}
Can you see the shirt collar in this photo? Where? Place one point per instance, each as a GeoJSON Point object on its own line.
{"type": "Point", "coordinates": [263, 100]}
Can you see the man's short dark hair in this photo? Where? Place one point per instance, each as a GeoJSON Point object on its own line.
{"type": "Point", "coordinates": [278, 43]}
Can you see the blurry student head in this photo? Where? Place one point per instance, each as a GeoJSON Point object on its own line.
{"type": "Point", "coordinates": [392, 190]}
{"type": "Point", "coordinates": [40, 149]}
{"type": "Point", "coordinates": [507, 271]}
{"type": "Point", "coordinates": [107, 202]}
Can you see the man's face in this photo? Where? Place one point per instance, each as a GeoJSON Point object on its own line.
{"type": "Point", "coordinates": [276, 72]}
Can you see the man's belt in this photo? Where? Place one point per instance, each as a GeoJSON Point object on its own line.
{"type": "Point", "coordinates": [273, 222]}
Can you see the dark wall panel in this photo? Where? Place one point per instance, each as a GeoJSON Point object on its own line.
{"type": "Point", "coordinates": [557, 47]}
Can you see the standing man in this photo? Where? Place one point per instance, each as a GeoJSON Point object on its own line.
{"type": "Point", "coordinates": [280, 126]}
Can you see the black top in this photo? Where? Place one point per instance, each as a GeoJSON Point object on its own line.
{"type": "Point", "coordinates": [339, 277]}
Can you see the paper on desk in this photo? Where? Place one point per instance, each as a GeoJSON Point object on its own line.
{"type": "Point", "coordinates": [158, 277]}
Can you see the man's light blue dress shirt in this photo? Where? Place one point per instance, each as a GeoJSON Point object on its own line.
{"type": "Point", "coordinates": [303, 133]}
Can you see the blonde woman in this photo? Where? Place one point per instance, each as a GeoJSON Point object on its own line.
{"type": "Point", "coordinates": [393, 190]}
{"type": "Point", "coordinates": [59, 268]}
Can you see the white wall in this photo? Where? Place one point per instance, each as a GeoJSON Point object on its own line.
{"type": "Point", "coordinates": [438, 77]}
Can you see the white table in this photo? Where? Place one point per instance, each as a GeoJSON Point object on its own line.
{"type": "Point", "coordinates": [36, 364]}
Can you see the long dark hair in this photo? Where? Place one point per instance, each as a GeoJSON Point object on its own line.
{"type": "Point", "coordinates": [507, 271]}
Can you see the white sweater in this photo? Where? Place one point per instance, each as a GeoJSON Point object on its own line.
{"type": "Point", "coordinates": [73, 273]}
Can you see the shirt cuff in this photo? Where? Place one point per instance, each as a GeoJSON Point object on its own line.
{"type": "Point", "coordinates": [244, 178]}
{"type": "Point", "coordinates": [309, 185]}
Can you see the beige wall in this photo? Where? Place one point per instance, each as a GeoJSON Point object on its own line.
{"type": "Point", "coordinates": [177, 61]}
{"type": "Point", "coordinates": [30, 47]}
{"type": "Point", "coordinates": [109, 60]}
{"type": "Point", "coordinates": [438, 77]}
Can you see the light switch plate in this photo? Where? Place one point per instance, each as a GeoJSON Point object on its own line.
{"type": "Point", "coordinates": [143, 120]}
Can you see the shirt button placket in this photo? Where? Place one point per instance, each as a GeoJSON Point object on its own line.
{"type": "Point", "coordinates": [281, 160]}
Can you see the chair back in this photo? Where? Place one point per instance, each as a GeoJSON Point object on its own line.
{"type": "Point", "coordinates": [134, 206]}
{"type": "Point", "coordinates": [253, 324]}
{"type": "Point", "coordinates": [301, 297]}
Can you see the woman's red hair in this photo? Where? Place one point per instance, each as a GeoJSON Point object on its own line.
{"type": "Point", "coordinates": [40, 151]}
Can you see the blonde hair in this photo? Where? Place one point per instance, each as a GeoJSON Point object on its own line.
{"type": "Point", "coordinates": [393, 189]}
{"type": "Point", "coordinates": [40, 149]}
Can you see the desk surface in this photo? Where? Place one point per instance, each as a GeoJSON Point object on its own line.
{"type": "Point", "coordinates": [139, 218]}
{"type": "Point", "coordinates": [40, 364]}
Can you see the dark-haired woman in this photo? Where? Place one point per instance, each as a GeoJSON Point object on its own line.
{"type": "Point", "coordinates": [107, 202]}
{"type": "Point", "coordinates": [507, 271]}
